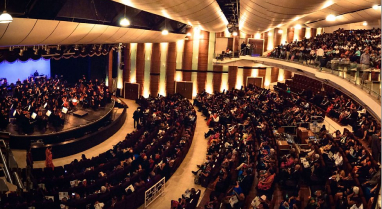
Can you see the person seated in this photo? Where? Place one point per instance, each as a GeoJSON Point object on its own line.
{"type": "Point", "coordinates": [265, 183]}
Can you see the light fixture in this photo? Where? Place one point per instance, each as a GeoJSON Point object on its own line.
{"type": "Point", "coordinates": [364, 23]}
{"type": "Point", "coordinates": [296, 18]}
{"type": "Point", "coordinates": [58, 47]}
{"type": "Point", "coordinates": [279, 25]}
{"type": "Point", "coordinates": [35, 49]}
{"type": "Point", "coordinates": [376, 7]}
{"type": "Point", "coordinates": [76, 47]}
{"type": "Point", "coordinates": [257, 35]}
{"type": "Point", "coordinates": [331, 17]}
{"type": "Point", "coordinates": [269, 33]}
{"type": "Point", "coordinates": [188, 34]}
{"type": "Point", "coordinates": [21, 53]}
{"type": "Point", "coordinates": [234, 33]}
{"type": "Point", "coordinates": [165, 31]}
{"type": "Point", "coordinates": [5, 17]}
{"type": "Point", "coordinates": [280, 31]}
{"type": "Point", "coordinates": [298, 26]}
{"type": "Point", "coordinates": [124, 21]}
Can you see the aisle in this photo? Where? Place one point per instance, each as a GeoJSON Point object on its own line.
{"type": "Point", "coordinates": [127, 127]}
{"type": "Point", "coordinates": [183, 179]}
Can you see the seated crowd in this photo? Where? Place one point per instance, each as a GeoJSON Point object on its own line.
{"type": "Point", "coordinates": [337, 169]}
{"type": "Point", "coordinates": [341, 44]}
{"type": "Point", "coordinates": [42, 101]}
{"type": "Point", "coordinates": [119, 177]}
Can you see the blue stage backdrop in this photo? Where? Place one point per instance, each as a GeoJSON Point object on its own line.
{"type": "Point", "coordinates": [23, 70]}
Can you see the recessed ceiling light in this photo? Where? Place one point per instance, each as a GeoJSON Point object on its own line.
{"type": "Point", "coordinates": [298, 26]}
{"type": "Point", "coordinates": [331, 17]}
{"type": "Point", "coordinates": [165, 32]}
{"type": "Point", "coordinates": [364, 23]}
{"type": "Point", "coordinates": [376, 7]}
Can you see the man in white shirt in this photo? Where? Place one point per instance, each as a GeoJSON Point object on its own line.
{"type": "Point", "coordinates": [320, 55]}
{"type": "Point", "coordinates": [338, 160]}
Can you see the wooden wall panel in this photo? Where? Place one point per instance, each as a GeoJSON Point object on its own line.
{"type": "Point", "coordinates": [262, 73]}
{"type": "Point", "coordinates": [140, 66]}
{"type": "Point", "coordinates": [237, 42]}
{"type": "Point", "coordinates": [265, 41]}
{"type": "Point", "coordinates": [287, 74]}
{"type": "Point", "coordinates": [274, 74]}
{"type": "Point", "coordinates": [110, 70]}
{"type": "Point", "coordinates": [301, 33]}
{"type": "Point", "coordinates": [202, 60]}
{"type": "Point", "coordinates": [290, 34]}
{"type": "Point", "coordinates": [276, 37]}
{"type": "Point", "coordinates": [187, 56]}
{"type": "Point", "coordinates": [155, 69]}
{"type": "Point", "coordinates": [219, 35]}
{"type": "Point", "coordinates": [313, 32]}
{"type": "Point", "coordinates": [229, 43]}
{"type": "Point", "coordinates": [217, 78]}
{"type": "Point", "coordinates": [232, 74]}
{"type": "Point", "coordinates": [170, 68]}
{"type": "Point", "coordinates": [127, 63]}
{"type": "Point", "coordinates": [246, 72]}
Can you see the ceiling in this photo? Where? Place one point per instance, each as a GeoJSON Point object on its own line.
{"type": "Point", "coordinates": [24, 32]}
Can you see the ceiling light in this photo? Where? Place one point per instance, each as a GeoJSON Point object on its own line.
{"type": "Point", "coordinates": [364, 23]}
{"type": "Point", "coordinates": [188, 34]}
{"type": "Point", "coordinates": [76, 47]}
{"type": "Point", "coordinates": [269, 33]}
{"type": "Point", "coordinates": [280, 31]}
{"type": "Point", "coordinates": [257, 36]}
{"type": "Point", "coordinates": [5, 17]}
{"type": "Point", "coordinates": [298, 26]}
{"type": "Point", "coordinates": [124, 22]}
{"type": "Point", "coordinates": [376, 7]}
{"type": "Point", "coordinates": [234, 33]}
{"type": "Point", "coordinates": [165, 32]}
{"type": "Point", "coordinates": [279, 25]}
{"type": "Point", "coordinates": [296, 18]}
{"type": "Point", "coordinates": [331, 17]}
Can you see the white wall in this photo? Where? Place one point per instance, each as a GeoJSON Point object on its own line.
{"type": "Point", "coordinates": [221, 45]}
{"type": "Point", "coordinates": [354, 26]}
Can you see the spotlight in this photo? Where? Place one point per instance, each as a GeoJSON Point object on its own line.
{"type": "Point", "coordinates": [100, 47]}
{"type": "Point", "coordinates": [165, 32]}
{"type": "Point", "coordinates": [21, 53]}
{"type": "Point", "coordinates": [76, 47]}
{"type": "Point", "coordinates": [5, 17]}
{"type": "Point", "coordinates": [280, 31]}
{"type": "Point", "coordinates": [376, 7]}
{"type": "Point", "coordinates": [364, 23]}
{"type": "Point", "coordinates": [234, 33]}
{"type": "Point", "coordinates": [331, 17]}
{"type": "Point", "coordinates": [298, 26]}
{"type": "Point", "coordinates": [11, 48]}
{"type": "Point", "coordinates": [83, 49]}
{"type": "Point", "coordinates": [124, 22]}
{"type": "Point", "coordinates": [47, 51]}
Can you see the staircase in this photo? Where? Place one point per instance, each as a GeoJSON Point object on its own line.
{"type": "Point", "coordinates": [9, 176]}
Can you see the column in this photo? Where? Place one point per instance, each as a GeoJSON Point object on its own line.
{"type": "Point", "coordinates": [211, 52]}
{"type": "Point", "coordinates": [265, 35]}
{"type": "Point", "coordinates": [277, 37]}
{"type": "Point", "coordinates": [246, 73]}
{"type": "Point", "coordinates": [127, 63]}
{"type": "Point", "coordinates": [140, 66]}
{"type": "Point", "coordinates": [274, 74]}
{"type": "Point", "coordinates": [187, 56]}
{"type": "Point", "coordinates": [170, 68]}
{"type": "Point", "coordinates": [202, 60]}
{"type": "Point", "coordinates": [110, 71]}
{"type": "Point", "coordinates": [232, 74]}
{"type": "Point", "coordinates": [154, 69]}
{"type": "Point", "coordinates": [290, 34]}
{"type": "Point", "coordinates": [146, 82]}
{"type": "Point", "coordinates": [133, 62]}
{"type": "Point", "coordinates": [224, 82]}
{"type": "Point", "coordinates": [163, 60]}
{"type": "Point", "coordinates": [217, 78]}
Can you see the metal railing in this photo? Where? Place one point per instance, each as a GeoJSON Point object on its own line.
{"type": "Point", "coordinates": [5, 163]}
{"type": "Point", "coordinates": [350, 72]}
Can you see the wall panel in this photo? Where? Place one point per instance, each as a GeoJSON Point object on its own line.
{"type": "Point", "coordinates": [170, 68]}
{"type": "Point", "coordinates": [140, 66]}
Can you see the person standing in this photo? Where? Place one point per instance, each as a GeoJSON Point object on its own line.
{"type": "Point", "coordinates": [320, 54]}
{"type": "Point", "coordinates": [243, 45]}
{"type": "Point", "coordinates": [136, 117]}
{"type": "Point", "coordinates": [365, 63]}
{"type": "Point", "coordinates": [49, 158]}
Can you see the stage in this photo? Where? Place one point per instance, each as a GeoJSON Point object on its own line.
{"type": "Point", "coordinates": [77, 134]}
{"type": "Point", "coordinates": [71, 122]}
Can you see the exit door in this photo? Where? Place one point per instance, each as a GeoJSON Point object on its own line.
{"type": "Point", "coordinates": [184, 88]}
{"type": "Point", "coordinates": [256, 81]}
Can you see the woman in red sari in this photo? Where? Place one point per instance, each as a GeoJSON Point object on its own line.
{"type": "Point", "coordinates": [49, 158]}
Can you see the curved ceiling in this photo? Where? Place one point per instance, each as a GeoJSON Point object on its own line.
{"type": "Point", "coordinates": [260, 15]}
{"type": "Point", "coordinates": [24, 32]}
{"type": "Point", "coordinates": [204, 13]}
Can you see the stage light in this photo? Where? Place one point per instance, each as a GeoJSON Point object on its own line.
{"type": "Point", "coordinates": [58, 47]}
{"type": "Point", "coordinates": [376, 7]}
{"type": "Point", "coordinates": [298, 26]}
{"type": "Point", "coordinates": [100, 47]}
{"type": "Point", "coordinates": [76, 47]}
{"type": "Point", "coordinates": [124, 22]}
{"type": "Point", "coordinates": [234, 33]}
{"type": "Point", "coordinates": [165, 32]}
{"type": "Point", "coordinates": [280, 31]}
{"type": "Point", "coordinates": [21, 53]}
{"type": "Point", "coordinates": [364, 23]}
{"type": "Point", "coordinates": [331, 17]}
{"type": "Point", "coordinates": [5, 17]}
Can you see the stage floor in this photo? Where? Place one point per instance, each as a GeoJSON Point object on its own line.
{"type": "Point", "coordinates": [71, 122]}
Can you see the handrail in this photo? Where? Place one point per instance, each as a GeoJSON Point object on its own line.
{"type": "Point", "coordinates": [6, 167]}
{"type": "Point", "coordinates": [18, 181]}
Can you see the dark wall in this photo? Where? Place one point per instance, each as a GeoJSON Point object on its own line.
{"type": "Point", "coordinates": [73, 68]}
